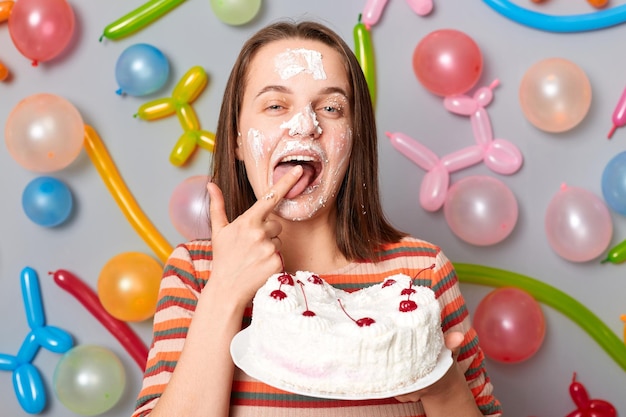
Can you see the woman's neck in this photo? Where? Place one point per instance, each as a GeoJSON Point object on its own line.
{"type": "Point", "coordinates": [311, 246]}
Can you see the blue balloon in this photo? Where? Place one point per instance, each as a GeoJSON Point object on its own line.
{"type": "Point", "coordinates": [614, 183]}
{"type": "Point", "coordinates": [141, 69]}
{"type": "Point", "coordinates": [29, 388]}
{"type": "Point", "coordinates": [31, 294]}
{"type": "Point", "coordinates": [47, 201]}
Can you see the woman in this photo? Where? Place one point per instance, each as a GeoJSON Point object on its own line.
{"type": "Point", "coordinates": [295, 187]}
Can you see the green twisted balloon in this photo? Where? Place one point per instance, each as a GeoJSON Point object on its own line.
{"type": "Point", "coordinates": [551, 296]}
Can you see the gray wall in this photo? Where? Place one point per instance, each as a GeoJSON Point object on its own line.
{"type": "Point", "coordinates": [192, 35]}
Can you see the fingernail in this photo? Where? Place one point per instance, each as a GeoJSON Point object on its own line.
{"type": "Point", "coordinates": [297, 170]}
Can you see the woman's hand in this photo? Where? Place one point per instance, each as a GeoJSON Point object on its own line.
{"type": "Point", "coordinates": [245, 252]}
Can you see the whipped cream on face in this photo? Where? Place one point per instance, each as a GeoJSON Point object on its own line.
{"type": "Point", "coordinates": [301, 123]}
{"type": "Point", "coordinates": [295, 61]}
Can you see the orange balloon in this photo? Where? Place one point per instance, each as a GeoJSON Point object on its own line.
{"type": "Point", "coordinates": [128, 286]}
{"type": "Point", "coordinates": [5, 9]}
{"type": "Point", "coordinates": [555, 95]}
{"type": "Point", "coordinates": [4, 72]}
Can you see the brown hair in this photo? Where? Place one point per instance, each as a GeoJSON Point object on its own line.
{"type": "Point", "coordinates": [361, 224]}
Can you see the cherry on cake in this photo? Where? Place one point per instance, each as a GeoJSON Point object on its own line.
{"type": "Point", "coordinates": [310, 336]}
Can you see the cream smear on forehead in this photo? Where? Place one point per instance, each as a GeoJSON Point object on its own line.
{"type": "Point", "coordinates": [295, 61]}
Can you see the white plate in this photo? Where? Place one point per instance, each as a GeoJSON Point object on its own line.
{"type": "Point", "coordinates": [242, 358]}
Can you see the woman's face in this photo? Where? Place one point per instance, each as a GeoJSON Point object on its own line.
{"type": "Point", "coordinates": [295, 110]}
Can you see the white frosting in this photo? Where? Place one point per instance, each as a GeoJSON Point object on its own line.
{"type": "Point", "coordinates": [328, 351]}
{"type": "Point", "coordinates": [295, 61]}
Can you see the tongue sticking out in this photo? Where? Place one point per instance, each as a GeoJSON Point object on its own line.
{"type": "Point", "coordinates": [308, 175]}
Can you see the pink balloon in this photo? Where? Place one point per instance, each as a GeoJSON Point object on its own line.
{"type": "Point", "coordinates": [188, 208]}
{"type": "Point", "coordinates": [578, 224]}
{"type": "Point", "coordinates": [41, 29]}
{"type": "Point", "coordinates": [447, 62]}
{"type": "Point", "coordinates": [510, 325]}
{"type": "Point", "coordinates": [44, 132]}
{"type": "Point", "coordinates": [555, 95]}
{"type": "Point", "coordinates": [480, 210]}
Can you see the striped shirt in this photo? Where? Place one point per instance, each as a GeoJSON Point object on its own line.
{"type": "Point", "coordinates": [187, 271]}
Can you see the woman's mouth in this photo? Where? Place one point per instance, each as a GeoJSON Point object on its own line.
{"type": "Point", "coordinates": [312, 168]}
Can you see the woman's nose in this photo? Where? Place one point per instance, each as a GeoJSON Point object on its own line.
{"type": "Point", "coordinates": [304, 124]}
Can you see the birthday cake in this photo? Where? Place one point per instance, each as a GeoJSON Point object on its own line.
{"type": "Point", "coordinates": [311, 336]}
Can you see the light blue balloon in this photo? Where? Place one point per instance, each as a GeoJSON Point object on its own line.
{"type": "Point", "coordinates": [141, 69]}
{"type": "Point", "coordinates": [614, 183]}
{"type": "Point", "coordinates": [31, 294]}
{"type": "Point", "coordinates": [29, 388]}
{"type": "Point", "coordinates": [47, 201]}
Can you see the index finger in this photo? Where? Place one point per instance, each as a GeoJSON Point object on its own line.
{"type": "Point", "coordinates": [270, 200]}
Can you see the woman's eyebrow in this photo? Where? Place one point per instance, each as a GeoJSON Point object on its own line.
{"type": "Point", "coordinates": [273, 88]}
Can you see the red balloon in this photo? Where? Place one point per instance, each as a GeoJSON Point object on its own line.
{"type": "Point", "coordinates": [41, 29]}
{"type": "Point", "coordinates": [587, 407]}
{"type": "Point", "coordinates": [510, 325]}
{"type": "Point", "coordinates": [447, 62]}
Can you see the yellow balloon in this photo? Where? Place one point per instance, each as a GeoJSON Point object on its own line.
{"type": "Point", "coordinates": [128, 286]}
{"type": "Point", "coordinates": [555, 95]}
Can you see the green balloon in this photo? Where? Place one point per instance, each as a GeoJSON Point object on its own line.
{"type": "Point", "coordinates": [89, 380]}
{"type": "Point", "coordinates": [235, 12]}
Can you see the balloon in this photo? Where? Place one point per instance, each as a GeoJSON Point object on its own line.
{"type": "Point", "coordinates": [5, 9]}
{"type": "Point", "coordinates": [4, 72]}
{"type": "Point", "coordinates": [128, 286]}
{"type": "Point", "coordinates": [619, 114]}
{"type": "Point", "coordinates": [447, 62]}
{"type": "Point", "coordinates": [141, 69]}
{"type": "Point", "coordinates": [578, 224]}
{"type": "Point", "coordinates": [372, 11]}
{"type": "Point", "coordinates": [89, 299]}
{"type": "Point", "coordinates": [500, 156]}
{"type": "Point", "coordinates": [108, 172]}
{"type": "Point", "coordinates": [27, 382]}
{"type": "Point", "coordinates": [138, 18]}
{"type": "Point", "coordinates": [188, 208]}
{"type": "Point", "coordinates": [614, 183]}
{"type": "Point", "coordinates": [185, 92]}
{"type": "Point", "coordinates": [586, 407]}
{"type": "Point", "coordinates": [617, 254]}
{"type": "Point", "coordinates": [510, 325]}
{"type": "Point", "coordinates": [89, 380]}
{"type": "Point", "coordinates": [480, 210]}
{"type": "Point", "coordinates": [551, 296]}
{"type": "Point", "coordinates": [44, 132]}
{"type": "Point", "coordinates": [365, 55]}
{"type": "Point", "coordinates": [421, 7]}
{"type": "Point", "coordinates": [41, 29]}
{"type": "Point", "coordinates": [29, 388]}
{"type": "Point", "coordinates": [47, 201]}
{"type": "Point", "coordinates": [567, 23]}
{"type": "Point", "coordinates": [235, 12]}
{"type": "Point", "coordinates": [555, 95]}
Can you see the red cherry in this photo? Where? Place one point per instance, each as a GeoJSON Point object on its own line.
{"type": "Point", "coordinates": [308, 313]}
{"type": "Point", "coordinates": [285, 279]}
{"type": "Point", "coordinates": [314, 279]}
{"type": "Point", "coordinates": [388, 282]}
{"type": "Point", "coordinates": [407, 291]}
{"type": "Point", "coordinates": [407, 306]}
{"type": "Point", "coordinates": [365, 321]}
{"type": "Point", "coordinates": [278, 295]}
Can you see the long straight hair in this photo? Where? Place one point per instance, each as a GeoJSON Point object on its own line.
{"type": "Point", "coordinates": [361, 223]}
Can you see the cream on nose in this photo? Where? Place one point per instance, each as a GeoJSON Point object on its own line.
{"type": "Point", "coordinates": [303, 123]}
